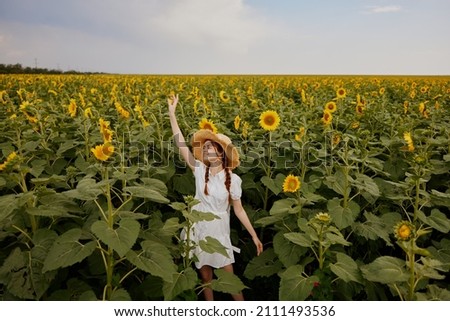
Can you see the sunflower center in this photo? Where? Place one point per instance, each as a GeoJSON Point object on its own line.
{"type": "Point", "coordinates": [292, 184]}
{"type": "Point", "coordinates": [269, 120]}
{"type": "Point", "coordinates": [404, 231]}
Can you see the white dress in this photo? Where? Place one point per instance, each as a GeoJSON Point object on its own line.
{"type": "Point", "coordinates": [217, 203]}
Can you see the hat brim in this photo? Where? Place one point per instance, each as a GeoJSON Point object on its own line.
{"type": "Point", "coordinates": [201, 136]}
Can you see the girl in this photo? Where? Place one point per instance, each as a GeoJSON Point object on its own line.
{"type": "Point", "coordinates": [217, 187]}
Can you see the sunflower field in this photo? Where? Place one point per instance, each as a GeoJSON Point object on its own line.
{"type": "Point", "coordinates": [345, 178]}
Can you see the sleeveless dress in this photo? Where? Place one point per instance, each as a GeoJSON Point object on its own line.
{"type": "Point", "coordinates": [217, 203]}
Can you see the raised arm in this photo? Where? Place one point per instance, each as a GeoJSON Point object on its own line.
{"type": "Point", "coordinates": [178, 135]}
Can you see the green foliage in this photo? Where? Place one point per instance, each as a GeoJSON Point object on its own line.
{"type": "Point", "coordinates": [370, 220]}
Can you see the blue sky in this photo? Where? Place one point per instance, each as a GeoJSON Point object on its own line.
{"type": "Point", "coordinates": [381, 37]}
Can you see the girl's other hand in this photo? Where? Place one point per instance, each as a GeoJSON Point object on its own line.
{"type": "Point", "coordinates": [258, 244]}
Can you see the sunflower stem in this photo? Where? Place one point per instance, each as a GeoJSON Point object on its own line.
{"type": "Point", "coordinates": [110, 252]}
{"type": "Point", "coordinates": [412, 258]}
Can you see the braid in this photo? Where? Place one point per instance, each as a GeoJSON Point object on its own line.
{"type": "Point", "coordinates": [227, 176]}
{"type": "Point", "coordinates": [228, 182]}
{"type": "Point", "coordinates": [206, 179]}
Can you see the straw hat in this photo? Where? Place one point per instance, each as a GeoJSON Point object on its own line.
{"type": "Point", "coordinates": [201, 136]}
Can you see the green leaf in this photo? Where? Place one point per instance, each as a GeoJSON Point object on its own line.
{"type": "Point", "coordinates": [346, 269]}
{"type": "Point", "coordinates": [184, 184]}
{"type": "Point", "coordinates": [342, 217]}
{"type": "Point", "coordinates": [284, 206]}
{"type": "Point", "coordinates": [87, 190]}
{"type": "Point", "coordinates": [67, 250]}
{"type": "Point", "coordinates": [120, 239]}
{"type": "Point", "coordinates": [335, 237]}
{"type": "Point", "coordinates": [155, 184]}
{"type": "Point", "coordinates": [181, 281]}
{"type": "Point", "coordinates": [49, 211]}
{"type": "Point", "coordinates": [339, 182]}
{"type": "Point", "coordinates": [367, 186]}
{"type": "Point", "coordinates": [178, 206]}
{"type": "Point", "coordinates": [301, 239]}
{"type": "Point", "coordinates": [288, 253]}
{"type": "Point", "coordinates": [42, 240]}
{"type": "Point", "coordinates": [373, 228]}
{"type": "Point", "coordinates": [264, 265]}
{"type": "Point", "coordinates": [268, 220]}
{"type": "Point", "coordinates": [52, 198]}
{"type": "Point", "coordinates": [147, 192]}
{"type": "Point", "coordinates": [197, 216]}
{"type": "Point", "coordinates": [392, 190]}
{"type": "Point", "coordinates": [439, 198]}
{"type": "Point", "coordinates": [120, 295]}
{"type": "Point", "coordinates": [171, 226]}
{"type": "Point", "coordinates": [67, 145]}
{"type": "Point", "coordinates": [294, 286]}
{"type": "Point", "coordinates": [155, 259]}
{"type": "Point", "coordinates": [275, 185]}
{"type": "Point", "coordinates": [212, 245]}
{"type": "Point", "coordinates": [386, 270]}
{"type": "Point", "coordinates": [8, 203]}
{"type": "Point", "coordinates": [15, 274]}
{"type": "Point", "coordinates": [434, 293]}
{"type": "Point", "coordinates": [439, 221]}
{"type": "Point", "coordinates": [227, 282]}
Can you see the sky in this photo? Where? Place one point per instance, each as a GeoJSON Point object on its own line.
{"type": "Point", "coordinates": [356, 37]}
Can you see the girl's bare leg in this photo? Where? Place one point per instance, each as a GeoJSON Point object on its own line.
{"type": "Point", "coordinates": [206, 273]}
{"type": "Point", "coordinates": [239, 296]}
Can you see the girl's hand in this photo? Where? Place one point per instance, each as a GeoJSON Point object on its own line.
{"type": "Point", "coordinates": [172, 101]}
{"type": "Point", "coordinates": [258, 244]}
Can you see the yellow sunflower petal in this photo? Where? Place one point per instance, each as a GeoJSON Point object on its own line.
{"type": "Point", "coordinates": [291, 184]}
{"type": "Point", "coordinates": [269, 120]}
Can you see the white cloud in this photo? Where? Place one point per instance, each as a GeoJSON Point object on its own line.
{"type": "Point", "coordinates": [227, 25]}
{"type": "Point", "coordinates": [383, 9]}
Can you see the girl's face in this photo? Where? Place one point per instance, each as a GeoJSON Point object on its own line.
{"type": "Point", "coordinates": [212, 152]}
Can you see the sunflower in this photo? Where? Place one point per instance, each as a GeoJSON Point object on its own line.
{"type": "Point", "coordinates": [341, 93]}
{"type": "Point", "coordinates": [103, 152]}
{"type": "Point", "coordinates": [291, 184]}
{"type": "Point", "coordinates": [107, 135]}
{"type": "Point", "coordinates": [359, 109]}
{"type": "Point", "coordinates": [423, 110]}
{"type": "Point", "coordinates": [269, 120]}
{"type": "Point", "coordinates": [88, 113]}
{"type": "Point", "coordinates": [207, 124]}
{"type": "Point", "coordinates": [404, 230]}
{"type": "Point", "coordinates": [122, 111]}
{"type": "Point", "coordinates": [331, 106]}
{"type": "Point", "coordinates": [336, 139]}
{"type": "Point", "coordinates": [301, 133]}
{"type": "Point", "coordinates": [104, 125]}
{"type": "Point", "coordinates": [237, 122]}
{"type": "Point", "coordinates": [224, 96]}
{"type": "Point", "coordinates": [303, 93]}
{"type": "Point", "coordinates": [25, 107]}
{"type": "Point", "coordinates": [8, 160]}
{"type": "Point", "coordinates": [2, 95]}
{"type": "Point", "coordinates": [72, 108]}
{"type": "Point", "coordinates": [409, 141]}
{"type": "Point", "coordinates": [405, 106]}
{"type": "Point", "coordinates": [381, 91]}
{"type": "Point", "coordinates": [245, 128]}
{"type": "Point", "coordinates": [327, 118]}
{"type": "Point", "coordinates": [323, 218]}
